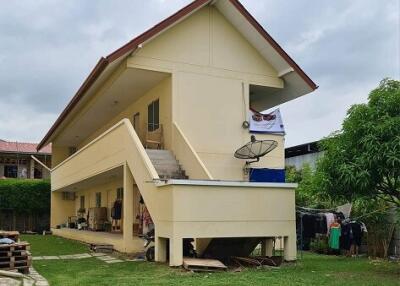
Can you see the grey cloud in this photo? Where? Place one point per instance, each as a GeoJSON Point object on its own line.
{"type": "Point", "coordinates": [346, 47]}
{"type": "Point", "coordinates": [48, 47]}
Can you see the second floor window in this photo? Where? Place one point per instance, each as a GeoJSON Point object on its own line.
{"type": "Point", "coordinates": [153, 117]}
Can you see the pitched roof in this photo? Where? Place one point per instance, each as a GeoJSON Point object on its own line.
{"type": "Point", "coordinates": [132, 45]}
{"type": "Point", "coordinates": [22, 147]}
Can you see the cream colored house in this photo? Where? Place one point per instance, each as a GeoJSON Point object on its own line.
{"type": "Point", "coordinates": [193, 76]}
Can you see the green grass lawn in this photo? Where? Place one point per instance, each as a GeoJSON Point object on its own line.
{"type": "Point", "coordinates": [53, 245]}
{"type": "Point", "coordinates": [311, 270]}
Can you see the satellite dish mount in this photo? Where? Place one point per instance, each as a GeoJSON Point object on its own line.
{"type": "Point", "coordinates": [253, 151]}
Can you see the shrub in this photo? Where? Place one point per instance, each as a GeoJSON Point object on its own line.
{"type": "Point", "coordinates": [25, 196]}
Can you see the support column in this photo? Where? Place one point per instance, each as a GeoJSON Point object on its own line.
{"type": "Point", "coordinates": [267, 246]}
{"type": "Point", "coordinates": [127, 206]}
{"type": "Point", "coordinates": [160, 251]}
{"type": "Point", "coordinates": [31, 169]}
{"type": "Point", "coordinates": [290, 247]}
{"type": "Point", "coordinates": [175, 251]}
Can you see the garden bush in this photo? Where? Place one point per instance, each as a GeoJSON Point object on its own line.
{"type": "Point", "coordinates": [25, 196]}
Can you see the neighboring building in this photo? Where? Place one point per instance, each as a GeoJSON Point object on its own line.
{"type": "Point", "coordinates": [307, 153]}
{"type": "Point", "coordinates": [184, 86]}
{"type": "Point", "coordinates": [16, 160]}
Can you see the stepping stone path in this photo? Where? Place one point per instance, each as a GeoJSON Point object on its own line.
{"type": "Point", "coordinates": [109, 259]}
{"type": "Point", "coordinates": [11, 278]}
{"type": "Point", "coordinates": [101, 256]}
{"type": "Point", "coordinates": [39, 279]}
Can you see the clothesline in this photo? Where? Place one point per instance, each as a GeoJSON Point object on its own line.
{"type": "Point", "coordinates": [317, 210]}
{"type": "Point", "coordinates": [334, 210]}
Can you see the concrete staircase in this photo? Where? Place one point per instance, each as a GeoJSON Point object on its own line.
{"type": "Point", "coordinates": [166, 164]}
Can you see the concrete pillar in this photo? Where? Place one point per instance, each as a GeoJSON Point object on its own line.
{"type": "Point", "coordinates": [127, 208]}
{"type": "Point", "coordinates": [267, 246]}
{"type": "Point", "coordinates": [32, 169]}
{"type": "Point", "coordinates": [290, 247]}
{"type": "Point", "coordinates": [160, 251]}
{"type": "Point", "coordinates": [175, 251]}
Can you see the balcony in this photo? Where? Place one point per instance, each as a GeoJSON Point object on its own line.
{"type": "Point", "coordinates": [201, 209]}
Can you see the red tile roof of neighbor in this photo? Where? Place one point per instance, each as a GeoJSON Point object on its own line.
{"type": "Point", "coordinates": [166, 23]}
{"type": "Point", "coordinates": [21, 147]}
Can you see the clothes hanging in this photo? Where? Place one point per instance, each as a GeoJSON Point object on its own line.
{"type": "Point", "coordinates": [363, 227]}
{"type": "Point", "coordinates": [357, 232]}
{"type": "Point", "coordinates": [116, 211]}
{"type": "Point", "coordinates": [320, 223]}
{"type": "Point", "coordinates": [334, 236]}
{"type": "Point", "coordinates": [308, 226]}
{"type": "Point", "coordinates": [147, 221]}
{"type": "Point", "coordinates": [347, 236]}
{"type": "Point", "coordinates": [330, 218]}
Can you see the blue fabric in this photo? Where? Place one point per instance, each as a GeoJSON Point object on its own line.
{"type": "Point", "coordinates": [6, 241]}
{"type": "Point", "coordinates": [267, 175]}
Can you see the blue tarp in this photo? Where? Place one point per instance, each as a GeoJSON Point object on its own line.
{"type": "Point", "coordinates": [267, 175]}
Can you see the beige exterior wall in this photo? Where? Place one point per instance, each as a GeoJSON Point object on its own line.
{"type": "Point", "coordinates": [207, 95]}
{"type": "Point", "coordinates": [178, 210]}
{"type": "Point", "coordinates": [60, 209]}
{"type": "Point", "coordinates": [187, 156]}
{"type": "Point", "coordinates": [202, 106]}
{"type": "Point", "coordinates": [212, 67]}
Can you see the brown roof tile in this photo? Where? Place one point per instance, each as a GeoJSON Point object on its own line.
{"type": "Point", "coordinates": [22, 147]}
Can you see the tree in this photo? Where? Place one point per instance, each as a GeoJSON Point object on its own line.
{"type": "Point", "coordinates": [306, 193]}
{"type": "Point", "coordinates": [363, 159]}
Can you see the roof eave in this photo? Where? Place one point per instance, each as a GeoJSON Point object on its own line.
{"type": "Point", "coordinates": [273, 43]}
{"type": "Point", "coordinates": [122, 51]}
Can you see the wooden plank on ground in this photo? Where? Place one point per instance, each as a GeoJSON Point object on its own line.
{"type": "Point", "coordinates": [199, 264]}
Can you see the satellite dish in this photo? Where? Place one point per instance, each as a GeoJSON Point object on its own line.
{"type": "Point", "coordinates": [255, 149]}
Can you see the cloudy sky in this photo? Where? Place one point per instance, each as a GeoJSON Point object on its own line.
{"type": "Point", "coordinates": [48, 47]}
